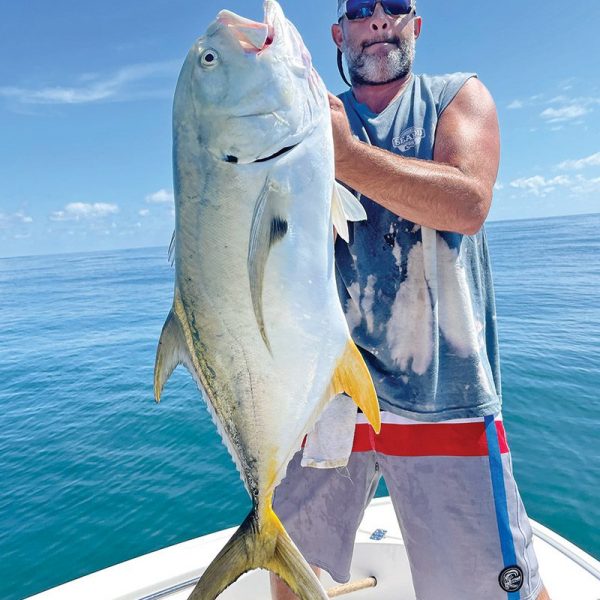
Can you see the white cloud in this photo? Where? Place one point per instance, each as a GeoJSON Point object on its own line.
{"type": "Point", "coordinates": [125, 84]}
{"type": "Point", "coordinates": [21, 217]}
{"type": "Point", "coordinates": [582, 163]}
{"type": "Point", "coordinates": [539, 185]}
{"type": "Point", "coordinates": [498, 186]}
{"type": "Point", "coordinates": [560, 108]}
{"type": "Point", "coordinates": [161, 197]}
{"type": "Point", "coordinates": [519, 103]}
{"type": "Point", "coordinates": [11, 219]}
{"type": "Point", "coordinates": [144, 212]}
{"type": "Point", "coordinates": [583, 186]}
{"type": "Point", "coordinates": [76, 211]}
{"type": "Point", "coordinates": [565, 113]}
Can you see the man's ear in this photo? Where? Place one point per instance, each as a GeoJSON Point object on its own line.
{"type": "Point", "coordinates": [417, 24]}
{"type": "Point", "coordinates": [337, 34]}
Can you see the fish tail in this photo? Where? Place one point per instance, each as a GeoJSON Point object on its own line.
{"type": "Point", "coordinates": [289, 564]}
{"type": "Point", "coordinates": [259, 544]}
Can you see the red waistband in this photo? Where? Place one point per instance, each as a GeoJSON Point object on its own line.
{"type": "Point", "coordinates": [435, 439]}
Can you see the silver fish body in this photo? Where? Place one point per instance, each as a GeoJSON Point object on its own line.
{"type": "Point", "coordinates": [256, 317]}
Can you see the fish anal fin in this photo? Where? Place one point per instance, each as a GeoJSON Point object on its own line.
{"type": "Point", "coordinates": [259, 543]}
{"type": "Point", "coordinates": [352, 377]}
{"type": "Point", "coordinates": [172, 351]}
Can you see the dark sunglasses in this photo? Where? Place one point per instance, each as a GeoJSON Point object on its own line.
{"type": "Point", "coordinates": [362, 9]}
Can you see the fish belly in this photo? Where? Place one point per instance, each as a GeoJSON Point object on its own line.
{"type": "Point", "coordinates": [265, 398]}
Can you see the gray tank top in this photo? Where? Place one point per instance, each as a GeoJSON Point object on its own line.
{"type": "Point", "coordinates": [419, 302]}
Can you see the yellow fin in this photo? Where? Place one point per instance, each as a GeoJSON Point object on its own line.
{"type": "Point", "coordinates": [352, 377]}
{"type": "Point", "coordinates": [260, 542]}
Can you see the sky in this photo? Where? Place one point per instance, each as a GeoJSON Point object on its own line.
{"type": "Point", "coordinates": [86, 92]}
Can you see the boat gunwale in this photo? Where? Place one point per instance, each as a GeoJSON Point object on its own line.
{"type": "Point", "coordinates": [577, 555]}
{"type": "Point", "coordinates": [567, 549]}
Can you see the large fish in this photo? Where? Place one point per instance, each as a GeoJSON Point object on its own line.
{"type": "Point", "coordinates": [256, 317]}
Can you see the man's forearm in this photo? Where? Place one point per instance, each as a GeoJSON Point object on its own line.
{"type": "Point", "coordinates": [428, 193]}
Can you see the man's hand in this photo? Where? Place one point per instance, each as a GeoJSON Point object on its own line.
{"type": "Point", "coordinates": [343, 139]}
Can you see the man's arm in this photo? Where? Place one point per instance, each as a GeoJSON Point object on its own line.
{"type": "Point", "coordinates": [451, 193]}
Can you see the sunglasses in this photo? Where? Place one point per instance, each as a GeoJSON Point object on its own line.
{"type": "Point", "coordinates": [363, 9]}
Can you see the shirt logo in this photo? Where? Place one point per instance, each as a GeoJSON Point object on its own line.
{"type": "Point", "coordinates": [409, 138]}
{"type": "Point", "coordinates": [511, 579]}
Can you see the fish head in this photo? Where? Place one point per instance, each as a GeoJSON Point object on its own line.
{"type": "Point", "coordinates": [248, 89]}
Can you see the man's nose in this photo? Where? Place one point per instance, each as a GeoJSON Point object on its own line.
{"type": "Point", "coordinates": [379, 20]}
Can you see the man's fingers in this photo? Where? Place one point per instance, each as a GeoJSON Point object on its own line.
{"type": "Point", "coordinates": [334, 102]}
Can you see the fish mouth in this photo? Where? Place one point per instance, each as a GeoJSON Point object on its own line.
{"type": "Point", "coordinates": [253, 36]}
{"type": "Point", "coordinates": [235, 160]}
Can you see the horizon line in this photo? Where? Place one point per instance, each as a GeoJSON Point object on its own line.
{"type": "Point", "coordinates": [499, 220]}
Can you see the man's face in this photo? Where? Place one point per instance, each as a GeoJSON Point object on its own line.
{"type": "Point", "coordinates": [378, 49]}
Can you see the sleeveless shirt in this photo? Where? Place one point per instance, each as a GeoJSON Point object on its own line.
{"type": "Point", "coordinates": [419, 302]}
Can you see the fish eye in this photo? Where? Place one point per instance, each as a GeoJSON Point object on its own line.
{"type": "Point", "coordinates": [209, 58]}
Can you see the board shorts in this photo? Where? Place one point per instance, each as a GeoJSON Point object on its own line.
{"type": "Point", "coordinates": [463, 523]}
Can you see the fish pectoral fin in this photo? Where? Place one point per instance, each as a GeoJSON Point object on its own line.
{"type": "Point", "coordinates": [269, 226]}
{"type": "Point", "coordinates": [352, 377]}
{"type": "Point", "coordinates": [171, 351]}
{"type": "Point", "coordinates": [259, 544]}
{"type": "Point", "coordinates": [345, 207]}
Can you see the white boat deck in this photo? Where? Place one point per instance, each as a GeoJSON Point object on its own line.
{"type": "Point", "coordinates": [170, 574]}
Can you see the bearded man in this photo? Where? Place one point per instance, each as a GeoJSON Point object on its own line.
{"type": "Point", "coordinates": [415, 281]}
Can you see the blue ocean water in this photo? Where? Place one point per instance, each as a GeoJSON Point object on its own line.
{"type": "Point", "coordinates": [94, 473]}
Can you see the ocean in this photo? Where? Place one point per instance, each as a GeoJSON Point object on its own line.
{"type": "Point", "coordinates": [93, 472]}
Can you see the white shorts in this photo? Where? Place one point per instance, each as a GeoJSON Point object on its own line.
{"type": "Point", "coordinates": [466, 532]}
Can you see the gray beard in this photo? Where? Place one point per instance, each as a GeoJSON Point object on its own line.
{"type": "Point", "coordinates": [378, 70]}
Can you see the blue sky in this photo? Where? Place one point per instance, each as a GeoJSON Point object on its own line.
{"type": "Point", "coordinates": [86, 91]}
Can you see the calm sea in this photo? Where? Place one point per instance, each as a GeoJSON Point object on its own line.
{"type": "Point", "coordinates": [93, 473]}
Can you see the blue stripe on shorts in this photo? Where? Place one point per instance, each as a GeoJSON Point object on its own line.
{"type": "Point", "coordinates": [497, 473]}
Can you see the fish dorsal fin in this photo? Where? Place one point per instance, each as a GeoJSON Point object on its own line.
{"type": "Point", "coordinates": [352, 377]}
{"type": "Point", "coordinates": [345, 207]}
{"type": "Point", "coordinates": [269, 226]}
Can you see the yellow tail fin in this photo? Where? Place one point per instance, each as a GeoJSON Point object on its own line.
{"type": "Point", "coordinates": [259, 544]}
{"type": "Point", "coordinates": [352, 377]}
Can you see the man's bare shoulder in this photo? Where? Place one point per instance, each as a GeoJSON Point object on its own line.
{"type": "Point", "coordinates": [473, 98]}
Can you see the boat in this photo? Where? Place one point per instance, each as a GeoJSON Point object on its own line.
{"type": "Point", "coordinates": [380, 569]}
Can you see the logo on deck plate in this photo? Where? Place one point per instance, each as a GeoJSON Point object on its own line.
{"type": "Point", "coordinates": [511, 579]}
{"type": "Point", "coordinates": [378, 534]}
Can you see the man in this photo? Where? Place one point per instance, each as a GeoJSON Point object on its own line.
{"type": "Point", "coordinates": [415, 282]}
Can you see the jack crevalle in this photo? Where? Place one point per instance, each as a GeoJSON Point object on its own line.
{"type": "Point", "coordinates": [256, 317]}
